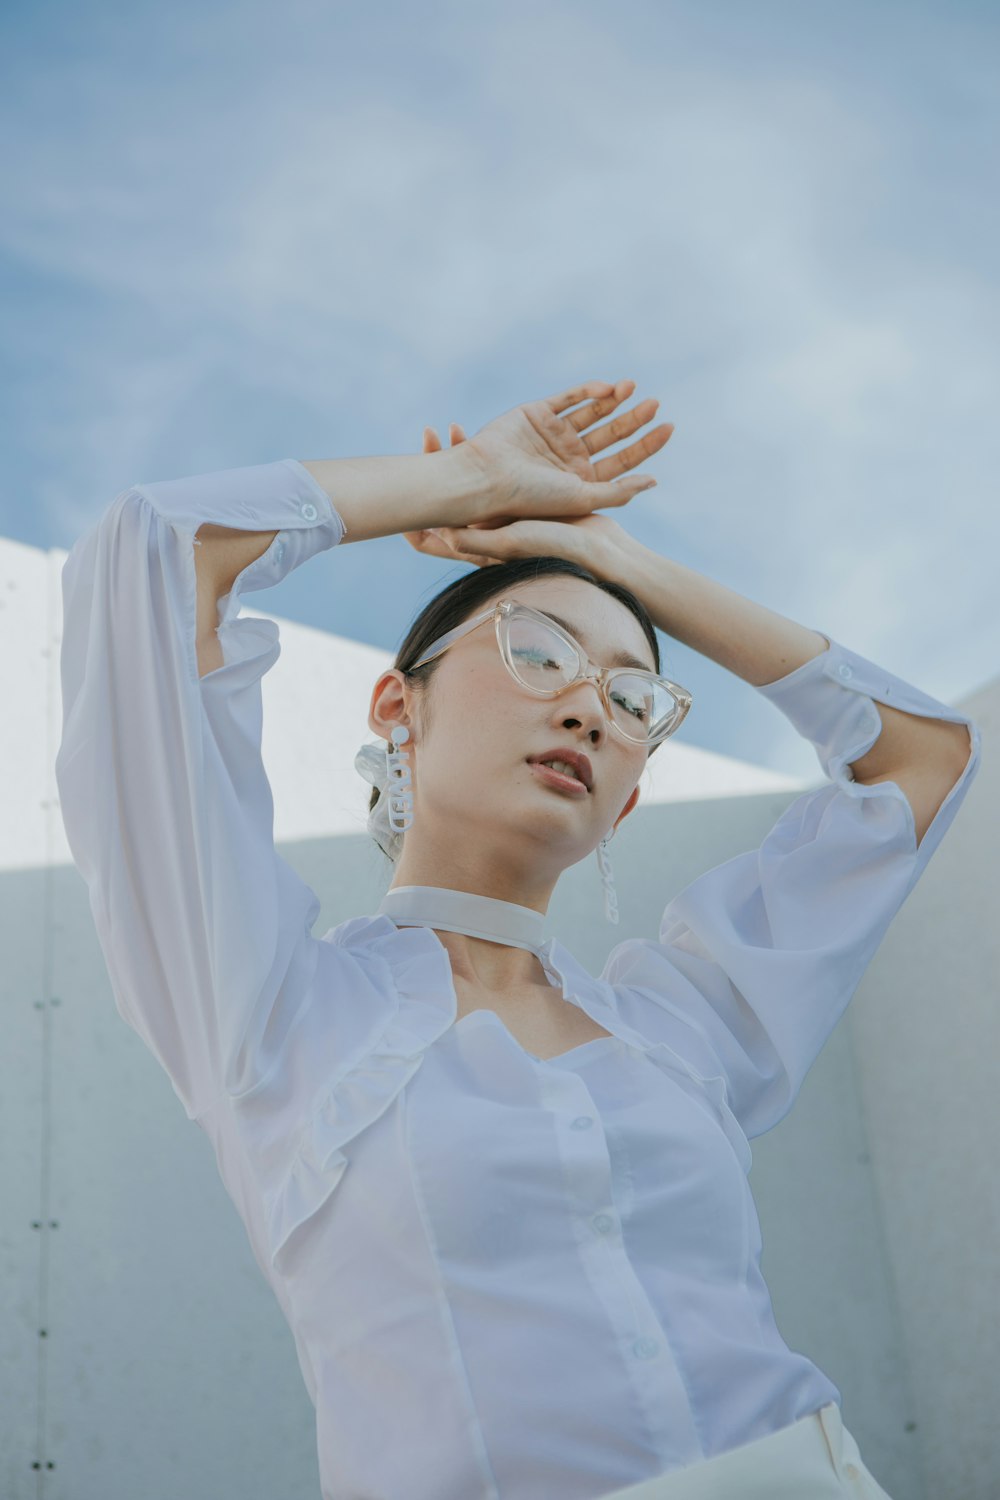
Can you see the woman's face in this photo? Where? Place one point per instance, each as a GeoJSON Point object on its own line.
{"type": "Point", "coordinates": [471, 765]}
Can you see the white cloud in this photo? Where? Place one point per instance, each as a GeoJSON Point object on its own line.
{"type": "Point", "coordinates": [749, 239]}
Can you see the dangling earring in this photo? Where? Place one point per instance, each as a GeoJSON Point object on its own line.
{"type": "Point", "coordinates": [399, 783]}
{"type": "Point", "coordinates": [608, 879]}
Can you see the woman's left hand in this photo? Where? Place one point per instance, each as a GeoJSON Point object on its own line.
{"type": "Point", "coordinates": [582, 539]}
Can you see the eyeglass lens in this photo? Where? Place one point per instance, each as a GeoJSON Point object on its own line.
{"type": "Point", "coordinates": [542, 659]}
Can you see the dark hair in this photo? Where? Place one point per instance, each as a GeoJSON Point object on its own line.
{"type": "Point", "coordinates": [462, 598]}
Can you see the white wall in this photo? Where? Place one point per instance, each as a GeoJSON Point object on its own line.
{"type": "Point", "coordinates": [166, 1367]}
{"type": "Point", "coordinates": [925, 1031]}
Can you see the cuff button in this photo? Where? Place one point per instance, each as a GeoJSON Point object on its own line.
{"type": "Point", "coordinates": [309, 511]}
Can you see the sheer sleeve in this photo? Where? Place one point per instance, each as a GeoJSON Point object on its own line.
{"type": "Point", "coordinates": [205, 930]}
{"type": "Point", "coordinates": [757, 959]}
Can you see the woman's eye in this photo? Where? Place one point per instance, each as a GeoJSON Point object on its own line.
{"type": "Point", "coordinates": [536, 658]}
{"type": "Point", "coordinates": [637, 710]}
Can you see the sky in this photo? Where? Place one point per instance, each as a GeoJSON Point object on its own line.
{"type": "Point", "coordinates": [238, 232]}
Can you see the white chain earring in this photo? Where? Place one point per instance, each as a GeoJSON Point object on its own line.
{"type": "Point", "coordinates": [607, 878]}
{"type": "Point", "coordinates": [398, 780]}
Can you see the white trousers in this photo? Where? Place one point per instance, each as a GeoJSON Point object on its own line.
{"type": "Point", "coordinates": [816, 1458]}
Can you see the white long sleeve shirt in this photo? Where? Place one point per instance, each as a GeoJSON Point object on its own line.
{"type": "Point", "coordinates": [507, 1278]}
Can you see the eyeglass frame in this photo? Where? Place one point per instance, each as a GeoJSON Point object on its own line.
{"type": "Point", "coordinates": [600, 676]}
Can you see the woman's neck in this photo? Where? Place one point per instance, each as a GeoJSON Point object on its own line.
{"type": "Point", "coordinates": [492, 944]}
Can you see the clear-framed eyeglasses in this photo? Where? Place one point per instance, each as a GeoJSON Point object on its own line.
{"type": "Point", "coordinates": [545, 659]}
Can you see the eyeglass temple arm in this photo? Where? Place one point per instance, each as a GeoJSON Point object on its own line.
{"type": "Point", "coordinates": [444, 641]}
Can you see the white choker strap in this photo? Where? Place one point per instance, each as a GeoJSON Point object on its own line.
{"type": "Point", "coordinates": [464, 911]}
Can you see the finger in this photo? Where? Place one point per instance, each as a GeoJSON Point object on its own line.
{"type": "Point", "coordinates": [601, 405]}
{"type": "Point", "coordinates": [630, 458]}
{"type": "Point", "coordinates": [432, 443]}
{"type": "Point", "coordinates": [478, 562]}
{"type": "Point", "coordinates": [618, 491]}
{"type": "Point", "coordinates": [598, 389]}
{"type": "Point", "coordinates": [621, 426]}
{"type": "Point", "coordinates": [469, 544]}
{"type": "Point", "coordinates": [451, 550]}
{"type": "Point", "coordinates": [429, 544]}
{"type": "Point", "coordinates": [456, 434]}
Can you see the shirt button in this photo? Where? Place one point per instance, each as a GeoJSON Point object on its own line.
{"type": "Point", "coordinates": [582, 1122]}
{"type": "Point", "coordinates": [645, 1348]}
{"type": "Point", "coordinates": [845, 670]}
{"type": "Point", "coordinates": [603, 1222]}
{"type": "Point", "coordinates": [309, 510]}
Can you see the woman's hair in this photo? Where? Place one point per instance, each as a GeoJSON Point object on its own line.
{"type": "Point", "coordinates": [463, 598]}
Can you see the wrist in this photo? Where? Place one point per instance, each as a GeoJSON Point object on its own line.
{"type": "Point", "coordinates": [617, 558]}
{"type": "Point", "coordinates": [385, 496]}
{"type": "Point", "coordinates": [466, 496]}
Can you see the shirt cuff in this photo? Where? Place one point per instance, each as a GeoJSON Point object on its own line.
{"type": "Point", "coordinates": [831, 701]}
{"type": "Point", "coordinates": [282, 496]}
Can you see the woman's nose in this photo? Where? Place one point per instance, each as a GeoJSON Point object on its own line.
{"type": "Point", "coordinates": [586, 707]}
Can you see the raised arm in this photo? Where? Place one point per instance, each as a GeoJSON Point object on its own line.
{"type": "Point", "coordinates": [923, 753]}
{"type": "Point", "coordinates": [162, 790]}
{"type": "Point", "coordinates": [164, 796]}
{"type": "Point", "coordinates": [205, 929]}
{"type": "Point", "coordinates": [377, 496]}
{"type": "Point", "coordinates": [221, 554]}
{"type": "Point", "coordinates": [757, 959]}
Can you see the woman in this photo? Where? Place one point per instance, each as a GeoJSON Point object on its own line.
{"type": "Point", "coordinates": [503, 1204]}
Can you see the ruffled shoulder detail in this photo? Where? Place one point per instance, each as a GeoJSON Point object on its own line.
{"type": "Point", "coordinates": [411, 968]}
{"type": "Point", "coordinates": [698, 1076]}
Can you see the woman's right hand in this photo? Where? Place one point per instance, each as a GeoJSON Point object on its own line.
{"type": "Point", "coordinates": [430, 541]}
{"type": "Point", "coordinates": [579, 538]}
{"type": "Point", "coordinates": [536, 462]}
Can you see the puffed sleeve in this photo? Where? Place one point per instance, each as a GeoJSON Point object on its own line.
{"type": "Point", "coordinates": [757, 959]}
{"type": "Point", "coordinates": [168, 811]}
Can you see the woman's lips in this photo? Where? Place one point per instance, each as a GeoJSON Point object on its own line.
{"type": "Point", "coordinates": [559, 779]}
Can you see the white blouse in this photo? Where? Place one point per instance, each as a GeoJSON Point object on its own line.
{"type": "Point", "coordinates": [507, 1278]}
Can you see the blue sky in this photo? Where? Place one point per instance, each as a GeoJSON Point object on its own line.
{"type": "Point", "coordinates": [235, 232]}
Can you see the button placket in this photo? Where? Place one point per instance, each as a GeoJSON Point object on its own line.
{"type": "Point", "coordinates": [655, 1375]}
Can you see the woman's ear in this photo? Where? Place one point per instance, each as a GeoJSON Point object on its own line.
{"type": "Point", "coordinates": [389, 704]}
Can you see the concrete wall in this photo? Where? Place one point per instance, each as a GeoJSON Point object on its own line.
{"type": "Point", "coordinates": [925, 1031]}
{"type": "Point", "coordinates": [167, 1368]}
{"type": "Point", "coordinates": [141, 1352]}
